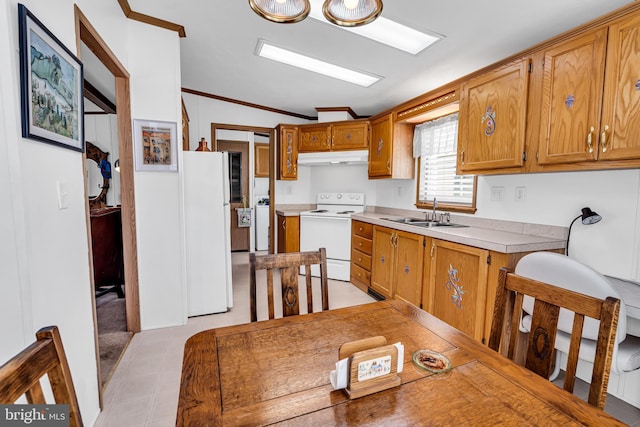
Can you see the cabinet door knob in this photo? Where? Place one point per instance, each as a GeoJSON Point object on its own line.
{"type": "Point", "coordinates": [361, 229]}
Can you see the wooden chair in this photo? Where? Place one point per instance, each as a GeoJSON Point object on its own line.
{"type": "Point", "coordinates": [540, 350]}
{"type": "Point", "coordinates": [21, 375]}
{"type": "Point", "coordinates": [289, 265]}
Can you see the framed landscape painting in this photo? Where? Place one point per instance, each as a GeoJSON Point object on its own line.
{"type": "Point", "coordinates": [51, 86]}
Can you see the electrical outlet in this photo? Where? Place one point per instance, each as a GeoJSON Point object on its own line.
{"type": "Point", "coordinates": [497, 194]}
{"type": "Point", "coordinates": [520, 193]}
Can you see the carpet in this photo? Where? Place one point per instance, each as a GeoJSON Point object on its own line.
{"type": "Point", "coordinates": [113, 337]}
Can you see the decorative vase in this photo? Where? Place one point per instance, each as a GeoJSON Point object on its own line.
{"type": "Point", "coordinates": [203, 145]}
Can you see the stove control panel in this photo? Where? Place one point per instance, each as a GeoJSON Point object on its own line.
{"type": "Point", "coordinates": [340, 198]}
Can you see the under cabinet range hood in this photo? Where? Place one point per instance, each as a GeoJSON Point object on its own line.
{"type": "Point", "coordinates": [358, 157]}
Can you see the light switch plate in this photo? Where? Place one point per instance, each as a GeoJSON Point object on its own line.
{"type": "Point", "coordinates": [497, 194]}
{"type": "Point", "coordinates": [63, 195]}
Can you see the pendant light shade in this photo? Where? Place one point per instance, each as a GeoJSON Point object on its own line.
{"type": "Point", "coordinates": [282, 11]}
{"type": "Point", "coordinates": [351, 13]}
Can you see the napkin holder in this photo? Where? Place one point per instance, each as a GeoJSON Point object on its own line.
{"type": "Point", "coordinates": [373, 366]}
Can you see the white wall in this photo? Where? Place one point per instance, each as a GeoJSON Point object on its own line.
{"type": "Point", "coordinates": [155, 88]}
{"type": "Point", "coordinates": [611, 246]}
{"type": "Point", "coordinates": [44, 258]}
{"type": "Point", "coordinates": [45, 270]}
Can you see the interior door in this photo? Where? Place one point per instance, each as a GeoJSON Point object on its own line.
{"type": "Point", "coordinates": [239, 190]}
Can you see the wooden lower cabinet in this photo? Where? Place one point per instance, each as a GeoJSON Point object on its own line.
{"type": "Point", "coordinates": [456, 286]}
{"type": "Point", "coordinates": [361, 247]}
{"type": "Point", "coordinates": [288, 233]}
{"type": "Point", "coordinates": [396, 266]}
{"type": "Point", "coordinates": [459, 284]}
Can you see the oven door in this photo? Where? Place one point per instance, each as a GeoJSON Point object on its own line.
{"type": "Point", "coordinates": [333, 234]}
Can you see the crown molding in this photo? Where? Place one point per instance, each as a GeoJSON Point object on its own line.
{"type": "Point", "coordinates": [137, 16]}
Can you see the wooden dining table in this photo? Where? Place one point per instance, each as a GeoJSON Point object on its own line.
{"type": "Point", "coordinates": [276, 372]}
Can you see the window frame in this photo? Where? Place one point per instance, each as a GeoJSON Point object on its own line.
{"type": "Point", "coordinates": [441, 205]}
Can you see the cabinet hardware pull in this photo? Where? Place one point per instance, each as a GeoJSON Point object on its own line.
{"type": "Point", "coordinates": [462, 157]}
{"type": "Point", "coordinates": [433, 248]}
{"type": "Point", "coordinates": [283, 224]}
{"type": "Point", "coordinates": [361, 229]}
{"type": "Point", "coordinates": [603, 138]}
{"type": "Point", "coordinates": [589, 139]}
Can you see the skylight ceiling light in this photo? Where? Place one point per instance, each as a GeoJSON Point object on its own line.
{"type": "Point", "coordinates": [267, 50]}
{"type": "Point", "coordinates": [384, 31]}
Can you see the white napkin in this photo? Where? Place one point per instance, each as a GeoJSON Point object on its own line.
{"type": "Point", "coordinates": [338, 377]}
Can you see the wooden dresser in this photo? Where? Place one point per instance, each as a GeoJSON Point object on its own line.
{"type": "Point", "coordinates": [106, 241]}
{"type": "Point", "coordinates": [361, 245]}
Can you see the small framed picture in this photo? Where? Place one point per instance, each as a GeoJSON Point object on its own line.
{"type": "Point", "coordinates": [51, 86]}
{"type": "Point", "coordinates": [155, 146]}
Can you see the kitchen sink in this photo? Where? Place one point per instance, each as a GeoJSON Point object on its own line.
{"type": "Point", "coordinates": [424, 223]}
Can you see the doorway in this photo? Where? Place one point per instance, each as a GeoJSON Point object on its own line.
{"type": "Point", "coordinates": [87, 35]}
{"type": "Point", "coordinates": [270, 133]}
{"type": "Point", "coordinates": [239, 191]}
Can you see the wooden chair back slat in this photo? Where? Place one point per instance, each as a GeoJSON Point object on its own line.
{"type": "Point", "coordinates": [574, 349]}
{"type": "Point", "coordinates": [21, 375]}
{"type": "Point", "coordinates": [35, 395]}
{"type": "Point", "coordinates": [544, 322]}
{"type": "Point", "coordinates": [307, 277]}
{"type": "Point", "coordinates": [289, 266]}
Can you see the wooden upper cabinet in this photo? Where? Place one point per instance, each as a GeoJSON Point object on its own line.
{"type": "Point", "coordinates": [261, 160]}
{"type": "Point", "coordinates": [287, 152]}
{"type": "Point", "coordinates": [620, 125]}
{"type": "Point", "coordinates": [571, 99]}
{"type": "Point", "coordinates": [350, 136]}
{"type": "Point", "coordinates": [492, 119]}
{"type": "Point", "coordinates": [391, 149]}
{"type": "Point", "coordinates": [313, 138]}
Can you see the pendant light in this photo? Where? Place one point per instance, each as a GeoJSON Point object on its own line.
{"type": "Point", "coordinates": [351, 13]}
{"type": "Point", "coordinates": [281, 11]}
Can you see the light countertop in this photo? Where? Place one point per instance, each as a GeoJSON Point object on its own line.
{"type": "Point", "coordinates": [481, 237]}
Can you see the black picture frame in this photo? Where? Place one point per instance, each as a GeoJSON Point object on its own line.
{"type": "Point", "coordinates": [51, 86]}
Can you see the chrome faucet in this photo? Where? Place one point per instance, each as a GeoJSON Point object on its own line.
{"type": "Point", "coordinates": [435, 205]}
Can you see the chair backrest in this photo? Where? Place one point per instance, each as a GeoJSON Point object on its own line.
{"type": "Point", "coordinates": [21, 375]}
{"type": "Point", "coordinates": [289, 265]}
{"type": "Point", "coordinates": [542, 336]}
{"type": "Point", "coordinates": [564, 272]}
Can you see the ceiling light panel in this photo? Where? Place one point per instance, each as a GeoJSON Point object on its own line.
{"type": "Point", "coordinates": [384, 31]}
{"type": "Point", "coordinates": [268, 50]}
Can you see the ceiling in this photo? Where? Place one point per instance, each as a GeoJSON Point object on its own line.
{"type": "Point", "coordinates": [217, 54]}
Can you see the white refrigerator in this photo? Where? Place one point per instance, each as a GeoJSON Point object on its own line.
{"type": "Point", "coordinates": [205, 189]}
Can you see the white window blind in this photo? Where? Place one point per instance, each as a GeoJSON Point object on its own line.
{"type": "Point", "coordinates": [436, 143]}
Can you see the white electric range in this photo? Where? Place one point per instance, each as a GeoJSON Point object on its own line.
{"type": "Point", "coordinates": [329, 226]}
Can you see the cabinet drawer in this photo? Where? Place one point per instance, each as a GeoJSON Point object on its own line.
{"type": "Point", "coordinates": [360, 275]}
{"type": "Point", "coordinates": [361, 244]}
{"type": "Point", "coordinates": [361, 259]}
{"type": "Point", "coordinates": [363, 229]}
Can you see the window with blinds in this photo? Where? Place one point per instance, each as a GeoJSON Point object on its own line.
{"type": "Point", "coordinates": [436, 142]}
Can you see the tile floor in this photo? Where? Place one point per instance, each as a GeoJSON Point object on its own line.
{"type": "Point", "coordinates": [143, 390]}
